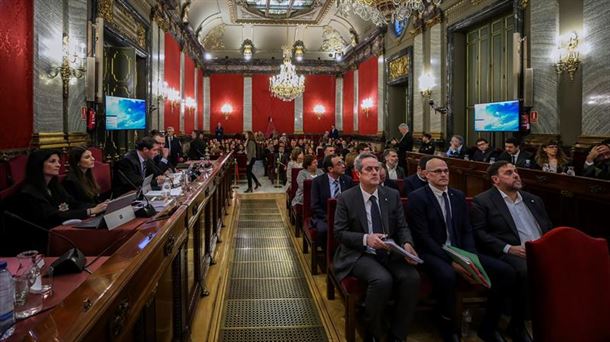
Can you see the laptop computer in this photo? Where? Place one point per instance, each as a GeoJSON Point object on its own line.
{"type": "Point", "coordinates": [114, 205]}
{"type": "Point", "coordinates": [146, 187]}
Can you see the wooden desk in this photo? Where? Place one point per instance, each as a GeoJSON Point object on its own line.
{"type": "Point", "coordinates": [148, 288]}
{"type": "Point", "coordinates": [578, 202]}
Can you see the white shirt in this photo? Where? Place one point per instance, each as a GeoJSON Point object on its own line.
{"type": "Point", "coordinates": [516, 155]}
{"type": "Point", "coordinates": [527, 226]}
{"type": "Point", "coordinates": [438, 193]}
{"type": "Point", "coordinates": [392, 172]}
{"type": "Point", "coordinates": [331, 180]}
{"type": "Point", "coordinates": [366, 197]}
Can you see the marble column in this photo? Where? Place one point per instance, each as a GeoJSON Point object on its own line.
{"type": "Point", "coordinates": [247, 103]}
{"type": "Point", "coordinates": [435, 69]}
{"type": "Point", "coordinates": [543, 33]}
{"type": "Point", "coordinates": [596, 68]}
{"type": "Point", "coordinates": [182, 97]}
{"type": "Point", "coordinates": [380, 94]}
{"type": "Point", "coordinates": [206, 104]}
{"type": "Point", "coordinates": [298, 115]}
{"type": "Point", "coordinates": [418, 68]}
{"type": "Point", "coordinates": [339, 103]}
{"type": "Point", "coordinates": [356, 105]}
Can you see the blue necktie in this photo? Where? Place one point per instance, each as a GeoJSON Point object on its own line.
{"type": "Point", "coordinates": [448, 218]}
{"type": "Point", "coordinates": [375, 216]}
{"type": "Point", "coordinates": [336, 188]}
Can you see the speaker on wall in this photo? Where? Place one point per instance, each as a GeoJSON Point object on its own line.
{"type": "Point", "coordinates": [528, 88]}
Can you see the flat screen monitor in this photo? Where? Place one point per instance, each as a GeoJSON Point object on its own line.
{"type": "Point", "coordinates": [124, 113]}
{"type": "Point", "coordinates": [497, 116]}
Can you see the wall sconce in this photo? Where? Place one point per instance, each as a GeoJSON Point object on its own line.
{"type": "Point", "coordinates": [226, 110]}
{"type": "Point", "coordinates": [169, 94]}
{"type": "Point", "coordinates": [72, 65]}
{"type": "Point", "coordinates": [366, 105]}
{"type": "Point", "coordinates": [567, 56]}
{"type": "Point", "coordinates": [298, 50]}
{"type": "Point", "coordinates": [426, 83]}
{"type": "Point", "coordinates": [247, 49]}
{"type": "Point", "coordinates": [319, 110]}
{"type": "Point", "coordinates": [190, 104]}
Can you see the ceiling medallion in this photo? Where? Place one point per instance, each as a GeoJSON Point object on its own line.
{"type": "Point", "coordinates": [213, 40]}
{"type": "Point", "coordinates": [332, 42]}
{"type": "Point", "coordinates": [382, 12]}
{"type": "Point", "coordinates": [287, 85]}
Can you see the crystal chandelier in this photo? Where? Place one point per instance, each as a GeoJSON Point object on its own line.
{"type": "Point", "coordinates": [381, 12]}
{"type": "Point", "coordinates": [287, 85]}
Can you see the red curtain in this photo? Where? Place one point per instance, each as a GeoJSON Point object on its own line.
{"type": "Point", "coordinates": [319, 90]}
{"type": "Point", "coordinates": [264, 105]}
{"type": "Point", "coordinates": [189, 91]}
{"type": "Point", "coordinates": [367, 89]}
{"type": "Point", "coordinates": [172, 77]}
{"type": "Point", "coordinates": [348, 102]}
{"type": "Point", "coordinates": [227, 89]}
{"type": "Point", "coordinates": [16, 83]}
{"type": "Point", "coordinates": [199, 99]}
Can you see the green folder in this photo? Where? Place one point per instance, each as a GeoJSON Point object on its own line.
{"type": "Point", "coordinates": [470, 262]}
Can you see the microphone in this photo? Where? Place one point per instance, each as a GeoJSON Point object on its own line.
{"type": "Point", "coordinates": [146, 211]}
{"type": "Point", "coordinates": [72, 261]}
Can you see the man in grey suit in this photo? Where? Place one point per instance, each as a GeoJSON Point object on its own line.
{"type": "Point", "coordinates": [365, 216]}
{"type": "Point", "coordinates": [503, 218]}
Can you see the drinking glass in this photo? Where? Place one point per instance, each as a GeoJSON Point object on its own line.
{"type": "Point", "coordinates": [28, 285]}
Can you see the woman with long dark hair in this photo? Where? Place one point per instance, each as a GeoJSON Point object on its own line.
{"type": "Point", "coordinates": [79, 182]}
{"type": "Point", "coordinates": [551, 157]}
{"type": "Point", "coordinates": [251, 156]}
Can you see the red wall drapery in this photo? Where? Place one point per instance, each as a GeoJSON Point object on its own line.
{"type": "Point", "coordinates": [199, 99]}
{"type": "Point", "coordinates": [16, 83]}
{"type": "Point", "coordinates": [367, 88]}
{"type": "Point", "coordinates": [227, 89]}
{"type": "Point", "coordinates": [189, 91]}
{"type": "Point", "coordinates": [348, 102]}
{"type": "Point", "coordinates": [172, 77]}
{"type": "Point", "coordinates": [264, 105]}
{"type": "Point", "coordinates": [319, 90]}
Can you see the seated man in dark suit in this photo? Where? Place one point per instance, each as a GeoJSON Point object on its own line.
{"type": "Point", "coordinates": [483, 151]}
{"type": "Point", "coordinates": [503, 219]}
{"type": "Point", "coordinates": [426, 146]}
{"type": "Point", "coordinates": [514, 155]}
{"type": "Point", "coordinates": [394, 171]}
{"type": "Point", "coordinates": [597, 164]}
{"type": "Point", "coordinates": [365, 215]}
{"type": "Point", "coordinates": [438, 216]}
{"type": "Point", "coordinates": [134, 167]}
{"type": "Point", "coordinates": [384, 180]}
{"type": "Point", "coordinates": [418, 180]}
{"type": "Point", "coordinates": [161, 160]}
{"type": "Point", "coordinates": [456, 147]}
{"type": "Point", "coordinates": [329, 185]}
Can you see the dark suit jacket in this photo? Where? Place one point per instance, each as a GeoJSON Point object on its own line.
{"type": "Point", "coordinates": [400, 172]}
{"type": "Point", "coordinates": [523, 156]}
{"type": "Point", "coordinates": [130, 168]}
{"type": "Point", "coordinates": [460, 155]}
{"type": "Point", "coordinates": [493, 225]}
{"type": "Point", "coordinates": [351, 224]}
{"type": "Point", "coordinates": [197, 149]}
{"type": "Point", "coordinates": [426, 148]}
{"type": "Point", "coordinates": [219, 133]}
{"type": "Point", "coordinates": [427, 222]}
{"type": "Point", "coordinates": [391, 184]}
{"type": "Point", "coordinates": [404, 145]}
{"type": "Point", "coordinates": [484, 157]}
{"type": "Point", "coordinates": [320, 193]}
{"type": "Point", "coordinates": [334, 133]}
{"type": "Point", "coordinates": [413, 183]}
{"type": "Point", "coordinates": [175, 150]}
{"type": "Point", "coordinates": [161, 166]}
{"type": "Point", "coordinates": [598, 170]}
{"type": "Point", "coordinates": [75, 189]}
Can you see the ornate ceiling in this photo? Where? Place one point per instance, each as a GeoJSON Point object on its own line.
{"type": "Point", "coordinates": [222, 25]}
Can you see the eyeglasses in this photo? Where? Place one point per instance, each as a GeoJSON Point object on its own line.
{"type": "Point", "coordinates": [440, 171]}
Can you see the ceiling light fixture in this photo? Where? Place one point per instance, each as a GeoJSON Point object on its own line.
{"type": "Point", "coordinates": [298, 50]}
{"type": "Point", "coordinates": [287, 85]}
{"type": "Point", "coordinates": [382, 12]}
{"type": "Point", "coordinates": [247, 49]}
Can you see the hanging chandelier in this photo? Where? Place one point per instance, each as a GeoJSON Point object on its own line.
{"type": "Point", "coordinates": [287, 85]}
{"type": "Point", "coordinates": [382, 12]}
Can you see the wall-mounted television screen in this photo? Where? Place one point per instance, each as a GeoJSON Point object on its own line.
{"type": "Point", "coordinates": [125, 113]}
{"type": "Point", "coordinates": [497, 116]}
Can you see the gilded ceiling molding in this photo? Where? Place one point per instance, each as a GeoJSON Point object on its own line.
{"type": "Point", "coordinates": [332, 42]}
{"type": "Point", "coordinates": [398, 68]}
{"type": "Point", "coordinates": [124, 20]}
{"type": "Point", "coordinates": [105, 9]}
{"type": "Point", "coordinates": [158, 16]}
{"type": "Point", "coordinates": [265, 67]}
{"type": "Point", "coordinates": [214, 39]}
{"type": "Point", "coordinates": [523, 3]}
{"type": "Point", "coordinates": [234, 4]}
{"type": "Point", "coordinates": [373, 45]}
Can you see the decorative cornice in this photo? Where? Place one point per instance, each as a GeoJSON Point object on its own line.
{"type": "Point", "coordinates": [125, 20]}
{"type": "Point", "coordinates": [373, 45]}
{"type": "Point", "coordinates": [49, 140]}
{"type": "Point", "coordinates": [268, 21]}
{"type": "Point", "coordinates": [267, 66]}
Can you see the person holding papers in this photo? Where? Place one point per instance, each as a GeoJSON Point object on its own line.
{"type": "Point", "coordinates": [365, 215]}
{"type": "Point", "coordinates": [438, 216]}
{"type": "Point", "coordinates": [503, 219]}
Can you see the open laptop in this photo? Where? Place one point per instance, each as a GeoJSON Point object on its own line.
{"type": "Point", "coordinates": [114, 205]}
{"type": "Point", "coordinates": [146, 187]}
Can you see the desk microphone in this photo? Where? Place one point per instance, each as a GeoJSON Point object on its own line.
{"type": "Point", "coordinates": [72, 261]}
{"type": "Point", "coordinates": [146, 211]}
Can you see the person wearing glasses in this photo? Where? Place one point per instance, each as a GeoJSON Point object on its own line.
{"type": "Point", "coordinates": [365, 216]}
{"type": "Point", "coordinates": [438, 216]}
{"type": "Point", "coordinates": [483, 152]}
{"type": "Point", "coordinates": [551, 157]}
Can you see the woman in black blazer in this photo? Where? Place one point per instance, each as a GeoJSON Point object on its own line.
{"type": "Point", "coordinates": [79, 182]}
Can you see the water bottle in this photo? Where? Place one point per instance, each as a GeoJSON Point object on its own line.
{"type": "Point", "coordinates": [167, 187]}
{"type": "Point", "coordinates": [466, 157]}
{"type": "Point", "coordinates": [7, 302]}
{"type": "Point", "coordinates": [492, 160]}
{"type": "Point", "coordinates": [466, 320]}
{"type": "Point", "coordinates": [528, 163]}
{"type": "Point", "coordinates": [570, 171]}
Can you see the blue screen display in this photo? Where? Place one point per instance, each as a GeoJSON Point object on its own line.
{"type": "Point", "coordinates": [125, 113]}
{"type": "Point", "coordinates": [497, 116]}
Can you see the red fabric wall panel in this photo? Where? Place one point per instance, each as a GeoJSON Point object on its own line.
{"type": "Point", "coordinates": [199, 99]}
{"type": "Point", "coordinates": [227, 89]}
{"type": "Point", "coordinates": [172, 77]}
{"type": "Point", "coordinates": [264, 105]}
{"type": "Point", "coordinates": [189, 91]}
{"type": "Point", "coordinates": [16, 87]}
{"type": "Point", "coordinates": [367, 88]}
{"type": "Point", "coordinates": [319, 89]}
{"type": "Point", "coordinates": [348, 102]}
